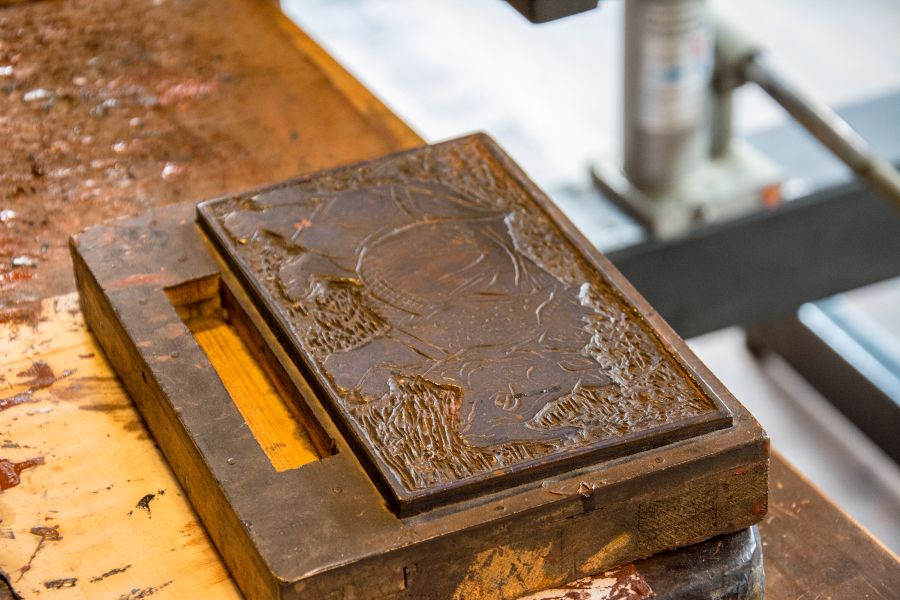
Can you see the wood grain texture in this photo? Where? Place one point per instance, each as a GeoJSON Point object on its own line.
{"type": "Point", "coordinates": [122, 523]}
{"type": "Point", "coordinates": [814, 549]}
{"type": "Point", "coordinates": [284, 440]}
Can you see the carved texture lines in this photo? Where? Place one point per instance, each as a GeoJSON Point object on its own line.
{"type": "Point", "coordinates": [336, 303]}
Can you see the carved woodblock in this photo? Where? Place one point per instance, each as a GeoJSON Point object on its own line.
{"type": "Point", "coordinates": [455, 332]}
{"type": "Point", "coordinates": [481, 405]}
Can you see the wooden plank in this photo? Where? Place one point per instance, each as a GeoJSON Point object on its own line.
{"type": "Point", "coordinates": [282, 438]}
{"type": "Point", "coordinates": [814, 549]}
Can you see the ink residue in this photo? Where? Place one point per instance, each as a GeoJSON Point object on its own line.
{"type": "Point", "coordinates": [9, 470]}
{"type": "Point", "coordinates": [40, 375]}
{"type": "Point", "coordinates": [139, 593]}
{"type": "Point", "coordinates": [109, 573]}
{"type": "Point", "coordinates": [144, 503]}
{"type": "Point", "coordinates": [57, 584]}
{"type": "Point", "coordinates": [47, 534]}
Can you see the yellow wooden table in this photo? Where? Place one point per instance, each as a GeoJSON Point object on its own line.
{"type": "Point", "coordinates": [98, 465]}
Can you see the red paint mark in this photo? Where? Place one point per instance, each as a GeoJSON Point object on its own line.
{"type": "Point", "coordinates": [9, 470]}
{"type": "Point", "coordinates": [21, 313]}
{"type": "Point", "coordinates": [134, 280]}
{"type": "Point", "coordinates": [40, 376]}
{"type": "Point", "coordinates": [302, 224]}
{"type": "Point", "coordinates": [15, 275]}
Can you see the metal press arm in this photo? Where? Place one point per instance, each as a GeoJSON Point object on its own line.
{"type": "Point", "coordinates": [830, 129]}
{"type": "Point", "coordinates": [740, 61]}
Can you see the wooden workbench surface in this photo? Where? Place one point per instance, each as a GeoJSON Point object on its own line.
{"type": "Point", "coordinates": [113, 106]}
{"type": "Point", "coordinates": [109, 107]}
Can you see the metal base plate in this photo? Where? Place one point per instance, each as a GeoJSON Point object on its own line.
{"type": "Point", "coordinates": [736, 184]}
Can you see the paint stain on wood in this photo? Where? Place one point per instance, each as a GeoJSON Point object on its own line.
{"type": "Point", "coordinates": [110, 573]}
{"type": "Point", "coordinates": [144, 503]}
{"type": "Point", "coordinates": [47, 534]}
{"type": "Point", "coordinates": [10, 471]}
{"type": "Point", "coordinates": [39, 376]}
{"type": "Point", "coordinates": [140, 593]}
{"type": "Point", "coordinates": [58, 584]}
{"type": "Point", "coordinates": [20, 313]}
{"type": "Point", "coordinates": [622, 583]}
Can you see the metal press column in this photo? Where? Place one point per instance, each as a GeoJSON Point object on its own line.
{"type": "Point", "coordinates": [668, 65]}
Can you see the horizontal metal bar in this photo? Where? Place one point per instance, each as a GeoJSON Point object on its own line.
{"type": "Point", "coordinates": [765, 266]}
{"type": "Point", "coordinates": [827, 357]}
{"type": "Point", "coordinates": [830, 129]}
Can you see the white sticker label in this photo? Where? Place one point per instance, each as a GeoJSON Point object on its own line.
{"type": "Point", "coordinates": [677, 65]}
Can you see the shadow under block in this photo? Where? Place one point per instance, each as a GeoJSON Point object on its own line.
{"type": "Point", "coordinates": [486, 407]}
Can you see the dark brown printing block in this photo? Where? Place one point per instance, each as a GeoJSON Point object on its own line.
{"type": "Point", "coordinates": [459, 338]}
{"type": "Point", "coordinates": [475, 360]}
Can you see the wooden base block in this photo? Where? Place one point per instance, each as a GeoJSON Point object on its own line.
{"type": "Point", "coordinates": [302, 500]}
